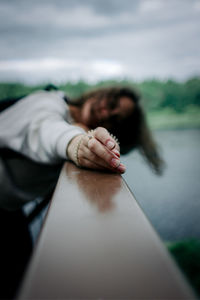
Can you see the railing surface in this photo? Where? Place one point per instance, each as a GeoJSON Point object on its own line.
{"type": "Point", "coordinates": [96, 243]}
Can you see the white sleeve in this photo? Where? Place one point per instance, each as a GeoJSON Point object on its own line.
{"type": "Point", "coordinates": [37, 127]}
{"type": "Point", "coordinates": [47, 140]}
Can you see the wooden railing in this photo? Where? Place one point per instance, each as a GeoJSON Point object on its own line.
{"type": "Point", "coordinates": [96, 243]}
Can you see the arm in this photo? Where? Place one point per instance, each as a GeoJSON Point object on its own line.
{"type": "Point", "coordinates": [37, 127]}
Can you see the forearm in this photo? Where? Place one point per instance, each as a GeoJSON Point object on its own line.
{"type": "Point", "coordinates": [38, 128]}
{"type": "Point", "coordinates": [48, 142]}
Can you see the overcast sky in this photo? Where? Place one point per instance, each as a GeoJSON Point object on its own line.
{"type": "Point", "coordinates": [61, 40]}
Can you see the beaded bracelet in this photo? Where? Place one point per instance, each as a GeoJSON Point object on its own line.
{"type": "Point", "coordinates": [76, 150]}
{"type": "Point", "coordinates": [90, 133]}
{"type": "Point", "coordinates": [115, 138]}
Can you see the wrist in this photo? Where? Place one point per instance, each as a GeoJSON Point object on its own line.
{"type": "Point", "coordinates": [73, 147]}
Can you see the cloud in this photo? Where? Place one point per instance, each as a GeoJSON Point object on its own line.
{"type": "Point", "coordinates": [143, 38]}
{"type": "Point", "coordinates": [49, 69]}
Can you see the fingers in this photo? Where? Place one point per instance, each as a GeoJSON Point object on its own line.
{"type": "Point", "coordinates": [100, 150]}
{"type": "Point", "coordinates": [85, 154]}
{"type": "Point", "coordinates": [80, 154]}
{"type": "Point", "coordinates": [109, 159]}
{"type": "Point", "coordinates": [106, 139]}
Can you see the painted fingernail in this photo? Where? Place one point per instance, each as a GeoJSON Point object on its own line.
{"type": "Point", "coordinates": [110, 144]}
{"type": "Point", "coordinates": [116, 152]}
{"type": "Point", "coordinates": [121, 168]}
{"type": "Point", "coordinates": [115, 162]}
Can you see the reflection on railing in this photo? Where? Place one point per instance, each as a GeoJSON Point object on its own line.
{"type": "Point", "coordinates": [98, 189]}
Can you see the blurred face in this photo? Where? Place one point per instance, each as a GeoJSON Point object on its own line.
{"type": "Point", "coordinates": [106, 112]}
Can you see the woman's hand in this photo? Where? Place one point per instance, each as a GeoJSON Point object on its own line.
{"type": "Point", "coordinates": [96, 150]}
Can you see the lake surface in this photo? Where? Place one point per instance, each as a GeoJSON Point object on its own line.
{"type": "Point", "coordinates": [171, 201]}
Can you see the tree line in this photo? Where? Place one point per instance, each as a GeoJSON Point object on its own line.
{"type": "Point", "coordinates": [155, 94]}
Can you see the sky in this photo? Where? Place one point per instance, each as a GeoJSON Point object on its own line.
{"type": "Point", "coordinates": [68, 40]}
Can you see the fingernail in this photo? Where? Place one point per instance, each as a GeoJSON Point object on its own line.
{"type": "Point", "coordinates": [121, 168]}
{"type": "Point", "coordinates": [115, 162]}
{"type": "Point", "coordinates": [110, 144]}
{"type": "Point", "coordinates": [116, 152]}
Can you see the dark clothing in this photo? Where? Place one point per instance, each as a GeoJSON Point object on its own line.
{"type": "Point", "coordinates": [15, 251]}
{"type": "Point", "coordinates": [16, 240]}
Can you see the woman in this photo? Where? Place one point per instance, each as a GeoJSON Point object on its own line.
{"type": "Point", "coordinates": [42, 130]}
{"type": "Point", "coordinates": [45, 130]}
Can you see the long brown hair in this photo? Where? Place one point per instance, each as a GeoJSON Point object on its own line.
{"type": "Point", "coordinates": [133, 132]}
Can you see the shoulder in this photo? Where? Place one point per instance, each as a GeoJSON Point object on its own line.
{"type": "Point", "coordinates": [36, 106]}
{"type": "Point", "coordinates": [40, 101]}
{"type": "Point", "coordinates": [44, 98]}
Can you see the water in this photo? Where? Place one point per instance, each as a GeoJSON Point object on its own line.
{"type": "Point", "coordinates": [171, 202]}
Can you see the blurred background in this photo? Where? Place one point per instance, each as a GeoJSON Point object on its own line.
{"type": "Point", "coordinates": [150, 45]}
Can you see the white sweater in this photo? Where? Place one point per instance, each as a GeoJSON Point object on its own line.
{"type": "Point", "coordinates": [38, 127]}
